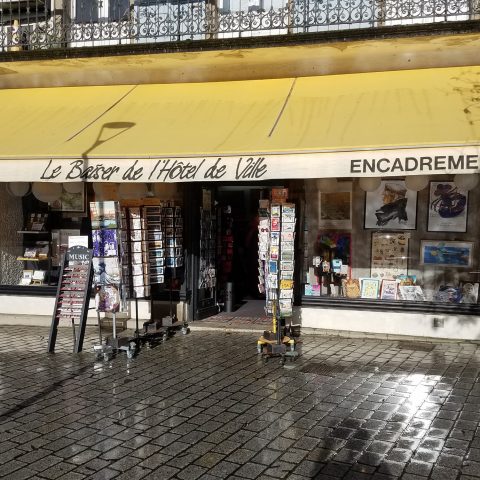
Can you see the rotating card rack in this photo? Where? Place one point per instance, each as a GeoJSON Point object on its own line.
{"type": "Point", "coordinates": [277, 259]}
{"type": "Point", "coordinates": [73, 296]}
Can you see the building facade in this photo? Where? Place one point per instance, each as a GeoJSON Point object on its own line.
{"type": "Point", "coordinates": [369, 116]}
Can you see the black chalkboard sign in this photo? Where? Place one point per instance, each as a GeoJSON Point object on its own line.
{"type": "Point", "coordinates": [73, 295]}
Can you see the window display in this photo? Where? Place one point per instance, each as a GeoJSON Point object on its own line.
{"type": "Point", "coordinates": [391, 264]}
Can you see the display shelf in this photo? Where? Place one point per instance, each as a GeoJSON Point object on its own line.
{"type": "Point", "coordinates": [38, 243]}
{"type": "Point", "coordinates": [30, 259]}
{"type": "Point", "coordinates": [390, 306]}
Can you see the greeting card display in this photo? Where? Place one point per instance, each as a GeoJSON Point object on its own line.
{"type": "Point", "coordinates": [107, 239]}
{"type": "Point", "coordinates": [105, 243]}
{"type": "Point", "coordinates": [276, 255]}
{"type": "Point", "coordinates": [104, 215]}
{"type": "Point", "coordinates": [135, 247]}
{"type": "Point", "coordinates": [107, 298]}
{"type": "Point", "coordinates": [106, 270]}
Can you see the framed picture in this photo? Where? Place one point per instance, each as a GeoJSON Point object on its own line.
{"type": "Point", "coordinates": [389, 256]}
{"type": "Point", "coordinates": [369, 287]}
{"type": "Point", "coordinates": [70, 202]}
{"type": "Point", "coordinates": [391, 207]}
{"type": "Point", "coordinates": [446, 253]}
{"type": "Point", "coordinates": [412, 293]}
{"type": "Point", "coordinates": [447, 208]}
{"type": "Point", "coordinates": [335, 208]}
{"type": "Point", "coordinates": [469, 292]}
{"type": "Point", "coordinates": [389, 290]}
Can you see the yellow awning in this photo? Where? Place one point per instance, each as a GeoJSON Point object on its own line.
{"type": "Point", "coordinates": [326, 121]}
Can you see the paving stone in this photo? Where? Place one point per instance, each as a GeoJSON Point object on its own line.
{"type": "Point", "coordinates": [223, 469]}
{"type": "Point", "coordinates": [192, 472]}
{"type": "Point", "coordinates": [308, 468]}
{"type": "Point", "coordinates": [209, 460]}
{"type": "Point", "coordinates": [266, 456]}
{"type": "Point", "coordinates": [279, 470]}
{"type": "Point", "coordinates": [389, 413]}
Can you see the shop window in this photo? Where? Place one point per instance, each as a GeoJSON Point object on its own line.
{"type": "Point", "coordinates": [392, 243]}
{"type": "Point", "coordinates": [34, 236]}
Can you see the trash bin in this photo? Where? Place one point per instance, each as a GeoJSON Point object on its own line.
{"type": "Point", "coordinates": [229, 297]}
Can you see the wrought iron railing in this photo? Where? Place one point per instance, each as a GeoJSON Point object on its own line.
{"type": "Point", "coordinates": [47, 24]}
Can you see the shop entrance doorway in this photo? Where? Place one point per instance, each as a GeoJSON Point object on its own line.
{"type": "Point", "coordinates": [237, 240]}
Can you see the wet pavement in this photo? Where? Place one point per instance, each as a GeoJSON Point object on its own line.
{"type": "Point", "coordinates": [205, 406]}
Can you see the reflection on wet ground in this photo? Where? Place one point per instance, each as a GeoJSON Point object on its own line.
{"type": "Point", "coordinates": [205, 406]}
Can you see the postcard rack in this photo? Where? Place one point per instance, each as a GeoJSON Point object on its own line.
{"type": "Point", "coordinates": [73, 296]}
{"type": "Point", "coordinates": [276, 260]}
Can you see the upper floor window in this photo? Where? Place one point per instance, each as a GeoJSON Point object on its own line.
{"type": "Point", "coordinates": [88, 11]}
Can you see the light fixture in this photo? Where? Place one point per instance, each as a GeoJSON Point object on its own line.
{"type": "Point", "coordinates": [73, 187]}
{"type": "Point", "coordinates": [416, 182]}
{"type": "Point", "coordinates": [18, 189]}
{"type": "Point", "coordinates": [327, 184]}
{"type": "Point", "coordinates": [47, 192]}
{"type": "Point", "coordinates": [466, 181]}
{"type": "Point", "coordinates": [369, 184]}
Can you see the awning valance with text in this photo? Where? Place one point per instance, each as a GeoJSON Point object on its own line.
{"type": "Point", "coordinates": [369, 124]}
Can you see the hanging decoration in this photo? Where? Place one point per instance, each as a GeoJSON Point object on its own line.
{"type": "Point", "coordinates": [416, 182]}
{"type": "Point", "coordinates": [18, 189]}
{"type": "Point", "coordinates": [466, 181]}
{"type": "Point", "coordinates": [47, 192]}
{"type": "Point", "coordinates": [369, 184]}
{"type": "Point", "coordinates": [73, 187]}
{"type": "Point", "coordinates": [327, 184]}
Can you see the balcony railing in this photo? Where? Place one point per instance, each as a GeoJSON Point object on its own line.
{"type": "Point", "coordinates": [47, 24]}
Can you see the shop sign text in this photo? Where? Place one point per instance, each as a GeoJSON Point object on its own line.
{"type": "Point", "coordinates": [163, 170]}
{"type": "Point", "coordinates": [422, 164]}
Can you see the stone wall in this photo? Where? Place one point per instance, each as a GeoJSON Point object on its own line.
{"type": "Point", "coordinates": [11, 220]}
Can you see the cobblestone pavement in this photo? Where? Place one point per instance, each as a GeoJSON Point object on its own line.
{"type": "Point", "coordinates": [205, 406]}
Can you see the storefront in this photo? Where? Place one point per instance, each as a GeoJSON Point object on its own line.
{"type": "Point", "coordinates": [381, 167]}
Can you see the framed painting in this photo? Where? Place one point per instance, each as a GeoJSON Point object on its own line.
{"type": "Point", "coordinates": [391, 207]}
{"type": "Point", "coordinates": [369, 287]}
{"type": "Point", "coordinates": [389, 290]}
{"type": "Point", "coordinates": [447, 208]}
{"type": "Point", "coordinates": [446, 253]}
{"type": "Point", "coordinates": [389, 256]}
{"type": "Point", "coordinates": [70, 202]}
{"type": "Point", "coordinates": [335, 208]}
